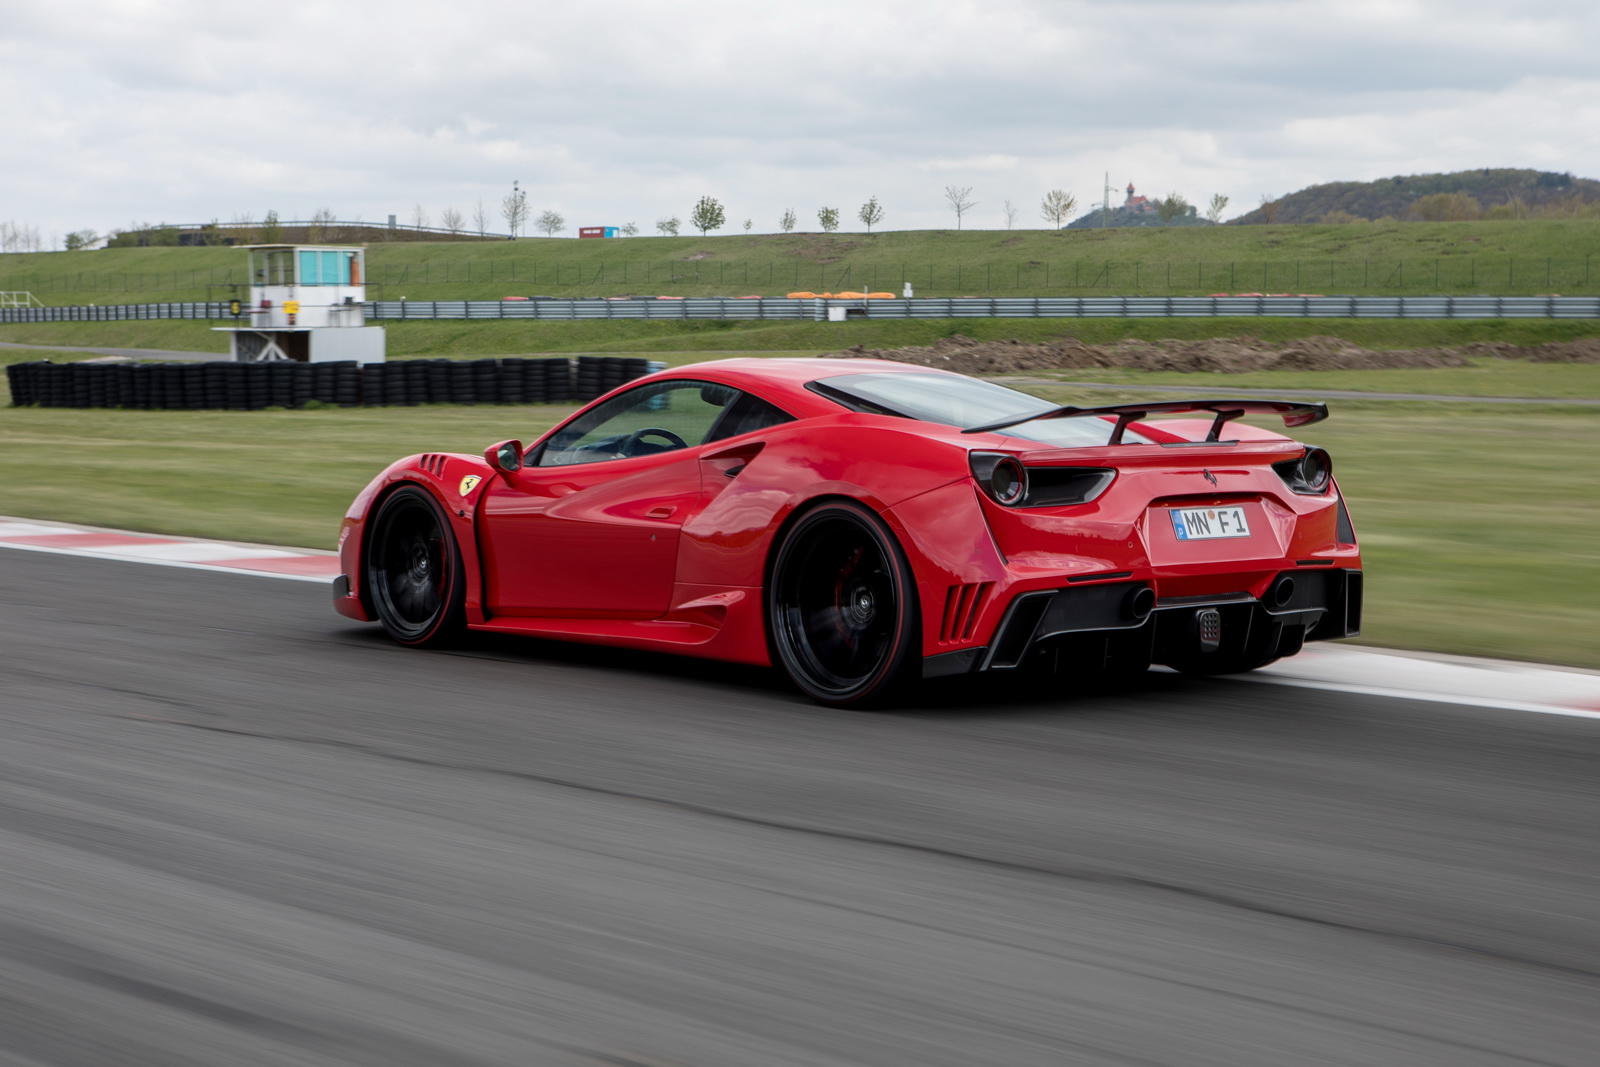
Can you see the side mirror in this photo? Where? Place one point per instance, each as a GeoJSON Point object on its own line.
{"type": "Point", "coordinates": [504, 457]}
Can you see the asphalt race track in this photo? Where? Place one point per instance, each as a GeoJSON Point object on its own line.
{"type": "Point", "coordinates": [237, 829]}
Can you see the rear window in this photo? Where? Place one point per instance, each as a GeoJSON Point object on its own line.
{"type": "Point", "coordinates": [955, 400]}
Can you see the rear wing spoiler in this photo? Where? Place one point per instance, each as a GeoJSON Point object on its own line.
{"type": "Point", "coordinates": [1294, 412]}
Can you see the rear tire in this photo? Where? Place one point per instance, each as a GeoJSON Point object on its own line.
{"type": "Point", "coordinates": [413, 571]}
{"type": "Point", "coordinates": [842, 607]}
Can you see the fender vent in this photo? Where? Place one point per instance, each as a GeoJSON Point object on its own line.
{"type": "Point", "coordinates": [962, 604]}
{"type": "Point", "coordinates": [433, 463]}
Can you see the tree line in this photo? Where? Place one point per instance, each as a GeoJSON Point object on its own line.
{"type": "Point", "coordinates": [1056, 207]}
{"type": "Point", "coordinates": [708, 214]}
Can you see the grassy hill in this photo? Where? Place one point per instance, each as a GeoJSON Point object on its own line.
{"type": "Point", "coordinates": [1512, 257]}
{"type": "Point", "coordinates": [1461, 195]}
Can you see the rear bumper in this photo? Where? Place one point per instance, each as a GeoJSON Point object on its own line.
{"type": "Point", "coordinates": [1112, 622]}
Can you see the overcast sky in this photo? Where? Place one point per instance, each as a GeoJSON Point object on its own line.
{"type": "Point", "coordinates": [124, 111]}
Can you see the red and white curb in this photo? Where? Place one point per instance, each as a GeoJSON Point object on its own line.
{"type": "Point", "coordinates": [300, 564]}
{"type": "Point", "coordinates": [1486, 683]}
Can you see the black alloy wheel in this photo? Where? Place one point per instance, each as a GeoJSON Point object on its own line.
{"type": "Point", "coordinates": [842, 607]}
{"type": "Point", "coordinates": [414, 570]}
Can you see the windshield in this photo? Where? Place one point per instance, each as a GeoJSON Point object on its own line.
{"type": "Point", "coordinates": [955, 400]}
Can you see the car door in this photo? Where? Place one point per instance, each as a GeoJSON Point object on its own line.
{"type": "Point", "coordinates": [590, 525]}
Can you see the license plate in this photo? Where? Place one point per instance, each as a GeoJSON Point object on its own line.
{"type": "Point", "coordinates": [1208, 524]}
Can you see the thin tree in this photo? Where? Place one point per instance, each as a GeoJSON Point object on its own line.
{"type": "Point", "coordinates": [708, 215]}
{"type": "Point", "coordinates": [78, 240]}
{"type": "Point", "coordinates": [551, 222]}
{"type": "Point", "coordinates": [1269, 208]}
{"type": "Point", "coordinates": [748, 223]}
{"type": "Point", "coordinates": [959, 197]}
{"type": "Point", "coordinates": [630, 229]}
{"type": "Point", "coordinates": [829, 218]}
{"type": "Point", "coordinates": [1171, 207]}
{"type": "Point", "coordinates": [668, 227]}
{"type": "Point", "coordinates": [271, 231]}
{"type": "Point", "coordinates": [245, 224]}
{"type": "Point", "coordinates": [480, 219]}
{"type": "Point", "coordinates": [1056, 206]}
{"type": "Point", "coordinates": [451, 220]}
{"type": "Point", "coordinates": [318, 226]}
{"type": "Point", "coordinates": [21, 237]}
{"type": "Point", "coordinates": [1218, 203]}
{"type": "Point", "coordinates": [514, 208]}
{"type": "Point", "coordinates": [871, 213]}
{"type": "Point", "coordinates": [1010, 211]}
{"type": "Point", "coordinates": [788, 221]}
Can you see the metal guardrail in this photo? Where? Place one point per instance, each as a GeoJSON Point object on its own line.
{"type": "Point", "coordinates": [729, 308]}
{"type": "Point", "coordinates": [116, 312]}
{"type": "Point", "coordinates": [254, 228]}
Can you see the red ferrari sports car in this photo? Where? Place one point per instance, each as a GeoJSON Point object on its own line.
{"type": "Point", "coordinates": [860, 523]}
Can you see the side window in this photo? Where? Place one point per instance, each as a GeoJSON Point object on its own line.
{"type": "Point", "coordinates": [651, 418]}
{"type": "Point", "coordinates": [746, 415]}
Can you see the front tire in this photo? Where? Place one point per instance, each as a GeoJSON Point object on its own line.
{"type": "Point", "coordinates": [413, 570]}
{"type": "Point", "coordinates": [842, 607]}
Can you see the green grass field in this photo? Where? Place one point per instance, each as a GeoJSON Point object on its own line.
{"type": "Point", "coordinates": [1484, 377]}
{"type": "Point", "coordinates": [1505, 257]}
{"type": "Point", "coordinates": [1478, 522]}
{"type": "Point", "coordinates": [277, 477]}
{"type": "Point", "coordinates": [496, 338]}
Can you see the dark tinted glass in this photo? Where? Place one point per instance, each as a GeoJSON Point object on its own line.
{"type": "Point", "coordinates": [955, 400]}
{"type": "Point", "coordinates": [746, 415]}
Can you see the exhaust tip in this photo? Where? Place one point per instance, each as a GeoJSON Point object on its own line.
{"type": "Point", "coordinates": [1140, 603]}
{"type": "Point", "coordinates": [1282, 591]}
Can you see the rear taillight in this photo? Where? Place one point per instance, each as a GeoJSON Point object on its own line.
{"type": "Point", "coordinates": [1309, 475]}
{"type": "Point", "coordinates": [1006, 481]}
{"type": "Point", "coordinates": [1001, 476]}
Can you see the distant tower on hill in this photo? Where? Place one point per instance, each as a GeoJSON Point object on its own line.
{"type": "Point", "coordinates": [1130, 193]}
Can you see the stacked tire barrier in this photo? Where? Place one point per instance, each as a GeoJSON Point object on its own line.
{"type": "Point", "coordinates": [254, 386]}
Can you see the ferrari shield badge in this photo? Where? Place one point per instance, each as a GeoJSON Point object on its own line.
{"type": "Point", "coordinates": [469, 483]}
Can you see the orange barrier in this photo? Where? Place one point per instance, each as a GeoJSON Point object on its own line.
{"type": "Point", "coordinates": [840, 296]}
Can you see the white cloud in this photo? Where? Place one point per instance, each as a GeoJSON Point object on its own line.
{"type": "Point", "coordinates": [182, 111]}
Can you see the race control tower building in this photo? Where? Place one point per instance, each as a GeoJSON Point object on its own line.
{"type": "Point", "coordinates": [307, 303]}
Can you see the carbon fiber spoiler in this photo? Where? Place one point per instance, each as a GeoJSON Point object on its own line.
{"type": "Point", "coordinates": [1294, 412]}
